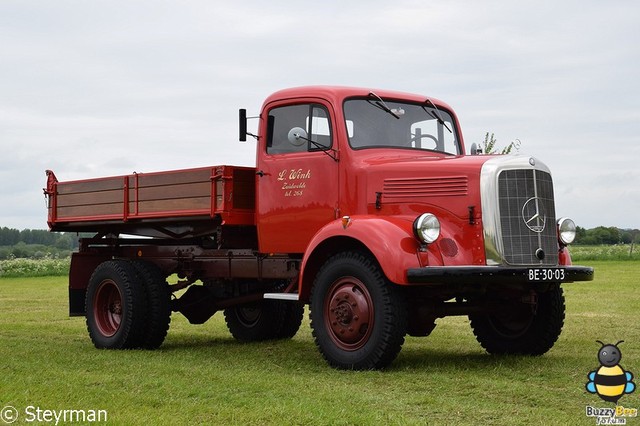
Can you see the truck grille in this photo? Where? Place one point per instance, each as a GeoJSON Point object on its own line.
{"type": "Point", "coordinates": [527, 217]}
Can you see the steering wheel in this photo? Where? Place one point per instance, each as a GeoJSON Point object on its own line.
{"type": "Point", "coordinates": [416, 138]}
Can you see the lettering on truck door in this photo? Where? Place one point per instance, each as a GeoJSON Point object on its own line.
{"type": "Point", "coordinates": [297, 177]}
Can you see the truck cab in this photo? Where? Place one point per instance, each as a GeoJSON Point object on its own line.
{"type": "Point", "coordinates": [362, 205]}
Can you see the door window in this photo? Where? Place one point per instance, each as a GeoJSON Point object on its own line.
{"type": "Point", "coordinates": [299, 128]}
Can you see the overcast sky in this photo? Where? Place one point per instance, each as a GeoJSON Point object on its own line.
{"type": "Point", "coordinates": [96, 88]}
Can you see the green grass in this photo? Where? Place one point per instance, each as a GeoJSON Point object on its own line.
{"type": "Point", "coordinates": [51, 265]}
{"type": "Point", "coordinates": [201, 375]}
{"type": "Point", "coordinates": [605, 252]}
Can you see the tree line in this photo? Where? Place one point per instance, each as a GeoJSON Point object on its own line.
{"type": "Point", "coordinates": [606, 235]}
{"type": "Point", "coordinates": [62, 240]}
{"type": "Point", "coordinates": [36, 243]}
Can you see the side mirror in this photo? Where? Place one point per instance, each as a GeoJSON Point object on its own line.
{"type": "Point", "coordinates": [297, 136]}
{"type": "Point", "coordinates": [243, 125]}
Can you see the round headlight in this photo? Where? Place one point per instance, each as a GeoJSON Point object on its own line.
{"type": "Point", "coordinates": [427, 228]}
{"type": "Point", "coordinates": [566, 230]}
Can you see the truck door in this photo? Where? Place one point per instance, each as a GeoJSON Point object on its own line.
{"type": "Point", "coordinates": [297, 182]}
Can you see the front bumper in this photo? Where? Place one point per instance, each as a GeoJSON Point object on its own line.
{"type": "Point", "coordinates": [498, 274]}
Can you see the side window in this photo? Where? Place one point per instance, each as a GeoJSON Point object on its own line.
{"type": "Point", "coordinates": [295, 126]}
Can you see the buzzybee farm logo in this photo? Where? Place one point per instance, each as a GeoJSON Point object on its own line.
{"type": "Point", "coordinates": [610, 382]}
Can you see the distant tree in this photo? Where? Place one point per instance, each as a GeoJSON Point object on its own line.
{"type": "Point", "coordinates": [599, 235]}
{"type": "Point", "coordinates": [609, 235]}
{"type": "Point", "coordinates": [20, 250]}
{"type": "Point", "coordinates": [8, 236]}
{"type": "Point", "coordinates": [581, 234]}
{"type": "Point", "coordinates": [489, 145]}
{"type": "Point", "coordinates": [64, 241]}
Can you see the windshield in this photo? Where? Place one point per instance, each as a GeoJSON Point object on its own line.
{"type": "Point", "coordinates": [374, 123]}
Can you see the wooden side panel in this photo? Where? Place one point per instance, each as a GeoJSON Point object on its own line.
{"type": "Point", "coordinates": [226, 191]}
{"type": "Point", "coordinates": [181, 192]}
{"type": "Point", "coordinates": [95, 198]}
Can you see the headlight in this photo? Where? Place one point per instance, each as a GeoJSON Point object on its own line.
{"type": "Point", "coordinates": [427, 228]}
{"type": "Point", "coordinates": [566, 230]}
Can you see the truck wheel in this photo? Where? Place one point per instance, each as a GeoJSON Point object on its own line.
{"type": "Point", "coordinates": [256, 321]}
{"type": "Point", "coordinates": [358, 318]}
{"type": "Point", "coordinates": [115, 306]}
{"type": "Point", "coordinates": [158, 314]}
{"type": "Point", "coordinates": [294, 312]}
{"type": "Point", "coordinates": [523, 331]}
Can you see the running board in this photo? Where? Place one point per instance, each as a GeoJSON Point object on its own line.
{"type": "Point", "coordinates": [282, 296]}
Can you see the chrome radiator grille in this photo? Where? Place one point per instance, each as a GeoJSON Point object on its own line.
{"type": "Point", "coordinates": [527, 217]}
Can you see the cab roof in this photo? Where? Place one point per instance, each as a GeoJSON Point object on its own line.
{"type": "Point", "coordinates": [337, 94]}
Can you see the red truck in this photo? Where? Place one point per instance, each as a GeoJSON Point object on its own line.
{"type": "Point", "coordinates": [362, 205]}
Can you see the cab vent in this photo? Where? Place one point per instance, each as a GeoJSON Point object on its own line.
{"type": "Point", "coordinates": [449, 186]}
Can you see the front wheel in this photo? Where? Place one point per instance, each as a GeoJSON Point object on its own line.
{"type": "Point", "coordinates": [522, 328]}
{"type": "Point", "coordinates": [358, 317]}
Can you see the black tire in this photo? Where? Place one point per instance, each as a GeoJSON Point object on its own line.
{"type": "Point", "coordinates": [294, 312]}
{"type": "Point", "coordinates": [256, 321]}
{"type": "Point", "coordinates": [521, 331]}
{"type": "Point", "coordinates": [115, 306]}
{"type": "Point", "coordinates": [158, 294]}
{"type": "Point", "coordinates": [358, 318]}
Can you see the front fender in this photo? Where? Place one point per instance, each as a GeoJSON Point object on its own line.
{"type": "Point", "coordinates": [389, 240]}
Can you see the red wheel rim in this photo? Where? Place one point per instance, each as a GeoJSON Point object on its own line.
{"type": "Point", "coordinates": [349, 313]}
{"type": "Point", "coordinates": [248, 315]}
{"type": "Point", "coordinates": [107, 308]}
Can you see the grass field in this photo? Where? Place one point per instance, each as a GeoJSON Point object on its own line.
{"type": "Point", "coordinates": [55, 266]}
{"type": "Point", "coordinates": [202, 376]}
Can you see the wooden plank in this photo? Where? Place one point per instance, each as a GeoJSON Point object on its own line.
{"type": "Point", "coordinates": [90, 212]}
{"type": "Point", "coordinates": [175, 205]}
{"type": "Point", "coordinates": [94, 185]}
{"type": "Point", "coordinates": [181, 191]}
{"type": "Point", "coordinates": [173, 178]}
{"type": "Point", "coordinates": [90, 198]}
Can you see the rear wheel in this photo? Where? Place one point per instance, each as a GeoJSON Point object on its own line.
{"type": "Point", "coordinates": [358, 318]}
{"type": "Point", "coordinates": [523, 329]}
{"type": "Point", "coordinates": [294, 312]}
{"type": "Point", "coordinates": [115, 306]}
{"type": "Point", "coordinates": [158, 314]}
{"type": "Point", "coordinates": [256, 321]}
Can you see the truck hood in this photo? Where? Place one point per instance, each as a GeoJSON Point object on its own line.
{"type": "Point", "coordinates": [447, 183]}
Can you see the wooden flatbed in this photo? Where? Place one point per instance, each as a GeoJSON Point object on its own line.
{"type": "Point", "coordinates": [173, 203]}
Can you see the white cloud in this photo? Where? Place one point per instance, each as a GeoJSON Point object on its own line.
{"type": "Point", "coordinates": [97, 88]}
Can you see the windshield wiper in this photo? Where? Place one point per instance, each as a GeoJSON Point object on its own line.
{"type": "Point", "coordinates": [379, 103]}
{"type": "Point", "coordinates": [436, 115]}
{"type": "Point", "coordinates": [326, 149]}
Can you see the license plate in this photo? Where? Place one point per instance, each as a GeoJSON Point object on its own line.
{"type": "Point", "coordinates": [547, 274]}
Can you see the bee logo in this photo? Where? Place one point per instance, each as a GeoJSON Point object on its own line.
{"type": "Point", "coordinates": [610, 381]}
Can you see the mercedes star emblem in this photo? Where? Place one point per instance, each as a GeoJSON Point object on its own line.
{"type": "Point", "coordinates": [533, 214]}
